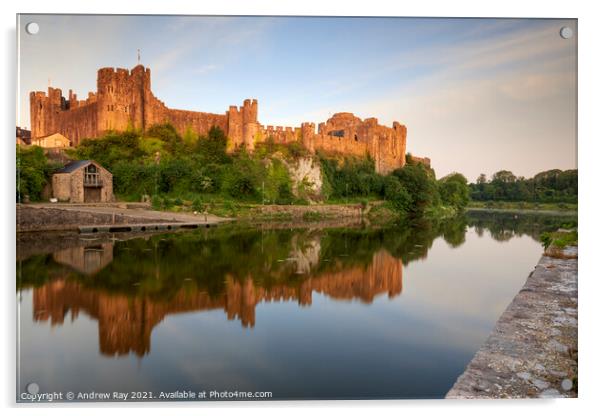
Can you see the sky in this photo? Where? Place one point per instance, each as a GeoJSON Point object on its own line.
{"type": "Point", "coordinates": [477, 95]}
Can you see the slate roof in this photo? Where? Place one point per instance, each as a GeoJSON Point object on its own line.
{"type": "Point", "coordinates": [75, 165]}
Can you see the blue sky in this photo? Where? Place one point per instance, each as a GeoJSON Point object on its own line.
{"type": "Point", "coordinates": [477, 95]}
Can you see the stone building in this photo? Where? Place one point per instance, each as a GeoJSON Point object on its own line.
{"type": "Point", "coordinates": [124, 99]}
{"type": "Point", "coordinates": [52, 141]}
{"type": "Point", "coordinates": [83, 181]}
{"type": "Point", "coordinates": [23, 136]}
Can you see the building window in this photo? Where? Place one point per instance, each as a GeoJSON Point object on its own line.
{"type": "Point", "coordinates": [91, 176]}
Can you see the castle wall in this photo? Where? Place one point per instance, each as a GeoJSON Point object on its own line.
{"type": "Point", "coordinates": [124, 99]}
{"type": "Point", "coordinates": [347, 134]}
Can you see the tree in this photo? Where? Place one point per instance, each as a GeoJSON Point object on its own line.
{"type": "Point", "coordinates": [549, 186]}
{"type": "Point", "coordinates": [212, 148]}
{"type": "Point", "coordinates": [454, 190]}
{"type": "Point", "coordinates": [420, 183]}
{"type": "Point", "coordinates": [167, 132]}
{"type": "Point", "coordinates": [503, 176]}
{"type": "Point", "coordinates": [395, 192]}
{"type": "Point", "coordinates": [33, 172]}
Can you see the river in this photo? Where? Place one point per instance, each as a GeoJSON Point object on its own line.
{"type": "Point", "coordinates": [303, 313]}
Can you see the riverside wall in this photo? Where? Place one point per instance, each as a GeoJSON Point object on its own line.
{"type": "Point", "coordinates": [532, 351]}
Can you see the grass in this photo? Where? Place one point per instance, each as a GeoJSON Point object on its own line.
{"type": "Point", "coordinates": [555, 242]}
{"type": "Point", "coordinates": [310, 216]}
{"type": "Point", "coordinates": [375, 210]}
{"type": "Point", "coordinates": [523, 205]}
{"type": "Point", "coordinates": [559, 239]}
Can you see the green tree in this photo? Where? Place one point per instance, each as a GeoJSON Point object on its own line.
{"type": "Point", "coordinates": [397, 194]}
{"type": "Point", "coordinates": [212, 148]}
{"type": "Point", "coordinates": [33, 172]}
{"type": "Point", "coordinates": [454, 190]}
{"type": "Point", "coordinates": [420, 183]}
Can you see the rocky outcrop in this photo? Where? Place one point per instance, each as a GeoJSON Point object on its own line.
{"type": "Point", "coordinates": [306, 174]}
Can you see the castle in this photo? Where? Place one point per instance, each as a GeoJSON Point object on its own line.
{"type": "Point", "coordinates": [124, 98]}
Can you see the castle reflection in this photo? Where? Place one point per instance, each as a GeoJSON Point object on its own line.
{"type": "Point", "coordinates": [130, 286]}
{"type": "Point", "coordinates": [126, 320]}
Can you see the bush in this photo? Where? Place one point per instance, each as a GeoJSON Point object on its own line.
{"type": "Point", "coordinates": [454, 190]}
{"type": "Point", "coordinates": [397, 194]}
{"type": "Point", "coordinates": [212, 148]}
{"type": "Point", "coordinates": [420, 183]}
{"type": "Point", "coordinates": [243, 179]}
{"type": "Point", "coordinates": [33, 172]}
{"type": "Point", "coordinates": [350, 177]}
{"type": "Point", "coordinates": [198, 205]}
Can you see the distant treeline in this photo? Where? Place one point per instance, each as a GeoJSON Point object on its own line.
{"type": "Point", "coordinates": [550, 186]}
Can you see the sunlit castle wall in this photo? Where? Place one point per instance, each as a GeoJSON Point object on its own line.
{"type": "Point", "coordinates": [124, 100]}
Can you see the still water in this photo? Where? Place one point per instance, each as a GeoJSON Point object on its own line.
{"type": "Point", "coordinates": [301, 313]}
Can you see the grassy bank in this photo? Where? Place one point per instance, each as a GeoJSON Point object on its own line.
{"type": "Point", "coordinates": [523, 206]}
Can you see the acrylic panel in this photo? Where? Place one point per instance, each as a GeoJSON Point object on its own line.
{"type": "Point", "coordinates": [295, 208]}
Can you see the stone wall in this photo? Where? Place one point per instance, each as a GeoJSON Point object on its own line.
{"type": "Point", "coordinates": [532, 351]}
{"type": "Point", "coordinates": [55, 219]}
{"type": "Point", "coordinates": [421, 160]}
{"type": "Point", "coordinates": [61, 186]}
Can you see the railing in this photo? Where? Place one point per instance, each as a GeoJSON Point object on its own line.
{"type": "Point", "coordinates": [92, 179]}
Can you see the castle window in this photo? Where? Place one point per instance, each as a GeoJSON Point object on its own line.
{"type": "Point", "coordinates": [337, 133]}
{"type": "Point", "coordinates": [355, 137]}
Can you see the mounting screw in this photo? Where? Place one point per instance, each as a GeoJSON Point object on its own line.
{"type": "Point", "coordinates": [32, 28]}
{"type": "Point", "coordinates": [566, 32]}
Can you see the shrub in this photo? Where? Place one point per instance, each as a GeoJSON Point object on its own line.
{"type": "Point", "coordinates": [33, 172]}
{"type": "Point", "coordinates": [420, 183]}
{"type": "Point", "coordinates": [454, 190]}
{"type": "Point", "coordinates": [397, 194]}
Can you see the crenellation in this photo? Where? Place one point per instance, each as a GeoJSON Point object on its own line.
{"type": "Point", "coordinates": [124, 98]}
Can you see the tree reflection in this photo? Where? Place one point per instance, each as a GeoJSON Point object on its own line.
{"type": "Point", "coordinates": [130, 286]}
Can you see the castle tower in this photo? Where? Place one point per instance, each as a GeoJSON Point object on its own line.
{"type": "Point", "coordinates": [400, 134]}
{"type": "Point", "coordinates": [250, 126]}
{"type": "Point", "coordinates": [122, 98]}
{"type": "Point", "coordinates": [37, 113]}
{"type": "Point", "coordinates": [140, 95]}
{"type": "Point", "coordinates": [308, 131]}
{"type": "Point", "coordinates": [43, 109]}
{"type": "Point", "coordinates": [234, 128]}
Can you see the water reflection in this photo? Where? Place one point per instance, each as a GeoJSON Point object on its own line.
{"type": "Point", "coordinates": [266, 293]}
{"type": "Point", "coordinates": [130, 286]}
{"type": "Point", "coordinates": [125, 322]}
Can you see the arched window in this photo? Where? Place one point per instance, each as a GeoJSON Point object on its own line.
{"type": "Point", "coordinates": [91, 176]}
